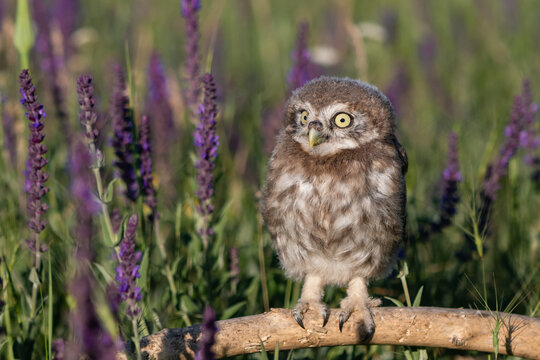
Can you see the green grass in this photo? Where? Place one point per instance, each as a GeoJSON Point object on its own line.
{"type": "Point", "coordinates": [482, 53]}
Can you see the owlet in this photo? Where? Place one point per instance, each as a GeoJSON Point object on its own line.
{"type": "Point", "coordinates": [335, 197]}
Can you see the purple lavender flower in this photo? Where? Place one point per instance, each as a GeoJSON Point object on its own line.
{"type": "Point", "coordinates": [87, 206]}
{"type": "Point", "coordinates": [189, 11]}
{"type": "Point", "coordinates": [114, 299]}
{"type": "Point", "coordinates": [303, 68]}
{"type": "Point", "coordinates": [162, 126]}
{"type": "Point", "coordinates": [66, 14]}
{"type": "Point", "coordinates": [451, 178]}
{"type": "Point", "coordinates": [127, 272]}
{"type": "Point", "coordinates": [123, 140]}
{"type": "Point", "coordinates": [498, 168]}
{"type": "Point", "coordinates": [529, 139]}
{"type": "Point", "coordinates": [92, 338]}
{"type": "Point", "coordinates": [208, 339]}
{"type": "Point", "coordinates": [145, 146]}
{"type": "Point", "coordinates": [58, 348]}
{"type": "Point", "coordinates": [88, 115]}
{"type": "Point", "coordinates": [116, 219]}
{"type": "Point", "coordinates": [51, 63]}
{"type": "Point", "coordinates": [207, 144]}
{"type": "Point", "coordinates": [10, 138]}
{"type": "Point", "coordinates": [398, 88]}
{"type": "Point", "coordinates": [36, 175]}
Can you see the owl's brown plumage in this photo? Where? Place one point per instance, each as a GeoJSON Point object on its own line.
{"type": "Point", "coordinates": [335, 197]}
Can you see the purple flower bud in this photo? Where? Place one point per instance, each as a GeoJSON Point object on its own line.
{"type": "Point", "coordinates": [127, 272]}
{"type": "Point", "coordinates": [145, 149]}
{"type": "Point", "coordinates": [35, 174]}
{"type": "Point", "coordinates": [88, 115]}
{"type": "Point", "coordinates": [206, 142]}
{"type": "Point", "coordinates": [123, 139]}
{"type": "Point", "coordinates": [208, 339]}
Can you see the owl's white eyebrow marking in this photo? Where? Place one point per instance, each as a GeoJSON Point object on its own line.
{"type": "Point", "coordinates": [328, 112]}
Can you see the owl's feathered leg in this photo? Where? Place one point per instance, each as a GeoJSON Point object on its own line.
{"type": "Point", "coordinates": [312, 293]}
{"type": "Point", "coordinates": [358, 299]}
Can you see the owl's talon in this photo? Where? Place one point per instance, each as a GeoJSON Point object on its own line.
{"type": "Point", "coordinates": [326, 316]}
{"type": "Point", "coordinates": [299, 318]}
{"type": "Point", "coordinates": [343, 317]}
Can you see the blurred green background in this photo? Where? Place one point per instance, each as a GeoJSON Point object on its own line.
{"type": "Point", "coordinates": [446, 65]}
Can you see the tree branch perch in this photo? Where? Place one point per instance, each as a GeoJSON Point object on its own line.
{"type": "Point", "coordinates": [417, 326]}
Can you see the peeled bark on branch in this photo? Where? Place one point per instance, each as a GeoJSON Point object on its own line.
{"type": "Point", "coordinates": [417, 326]}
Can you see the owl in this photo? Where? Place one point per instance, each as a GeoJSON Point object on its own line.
{"type": "Point", "coordinates": [334, 201]}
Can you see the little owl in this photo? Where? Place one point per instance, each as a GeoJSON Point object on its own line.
{"type": "Point", "coordinates": [335, 197]}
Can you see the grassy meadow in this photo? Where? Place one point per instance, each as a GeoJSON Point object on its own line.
{"type": "Point", "coordinates": [447, 66]}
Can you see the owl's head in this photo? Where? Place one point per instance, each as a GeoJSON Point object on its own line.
{"type": "Point", "coordinates": [328, 115]}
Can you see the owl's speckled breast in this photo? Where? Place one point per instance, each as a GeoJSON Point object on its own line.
{"type": "Point", "coordinates": [330, 224]}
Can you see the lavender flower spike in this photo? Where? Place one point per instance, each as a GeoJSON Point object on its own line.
{"type": "Point", "coordinates": [35, 175]}
{"type": "Point", "coordinates": [88, 115]}
{"type": "Point", "coordinates": [189, 11]}
{"type": "Point", "coordinates": [145, 149]}
{"type": "Point", "coordinates": [529, 139]}
{"type": "Point", "coordinates": [87, 205]}
{"type": "Point", "coordinates": [498, 168]}
{"type": "Point", "coordinates": [303, 69]}
{"type": "Point", "coordinates": [127, 272]}
{"type": "Point", "coordinates": [451, 178]}
{"type": "Point", "coordinates": [92, 339]}
{"type": "Point", "coordinates": [207, 144]}
{"type": "Point", "coordinates": [209, 331]}
{"type": "Point", "coordinates": [162, 126]}
{"type": "Point", "coordinates": [123, 142]}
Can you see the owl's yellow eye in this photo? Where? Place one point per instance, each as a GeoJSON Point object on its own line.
{"type": "Point", "coordinates": [304, 117]}
{"type": "Point", "coordinates": [342, 120]}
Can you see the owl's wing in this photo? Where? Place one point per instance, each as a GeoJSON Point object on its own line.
{"type": "Point", "coordinates": [402, 155]}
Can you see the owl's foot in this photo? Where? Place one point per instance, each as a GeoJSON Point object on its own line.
{"type": "Point", "coordinates": [357, 300]}
{"type": "Point", "coordinates": [349, 305]}
{"type": "Point", "coordinates": [303, 306]}
{"type": "Point", "coordinates": [312, 293]}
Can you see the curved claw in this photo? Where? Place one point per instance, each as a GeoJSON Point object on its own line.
{"type": "Point", "coordinates": [326, 316]}
{"type": "Point", "coordinates": [343, 317]}
{"type": "Point", "coordinates": [299, 318]}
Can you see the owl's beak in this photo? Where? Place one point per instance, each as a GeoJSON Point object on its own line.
{"type": "Point", "coordinates": [315, 137]}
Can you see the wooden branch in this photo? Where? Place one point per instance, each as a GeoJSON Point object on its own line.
{"type": "Point", "coordinates": [421, 326]}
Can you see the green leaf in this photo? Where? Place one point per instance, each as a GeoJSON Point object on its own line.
{"type": "Point", "coordinates": [34, 278]}
{"type": "Point", "coordinates": [290, 355]}
{"type": "Point", "coordinates": [108, 195]}
{"type": "Point", "coordinates": [23, 36]}
{"type": "Point", "coordinates": [142, 282]}
{"type": "Point", "coordinates": [276, 351]}
{"type": "Point", "coordinates": [418, 296]}
{"type": "Point", "coordinates": [50, 306]}
{"type": "Point", "coordinates": [188, 305]}
{"type": "Point", "coordinates": [104, 273]}
{"type": "Point", "coordinates": [229, 312]}
{"type": "Point", "coordinates": [264, 355]}
{"type": "Point", "coordinates": [178, 220]}
{"type": "Point", "coordinates": [175, 265]}
{"type": "Point", "coordinates": [395, 301]}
